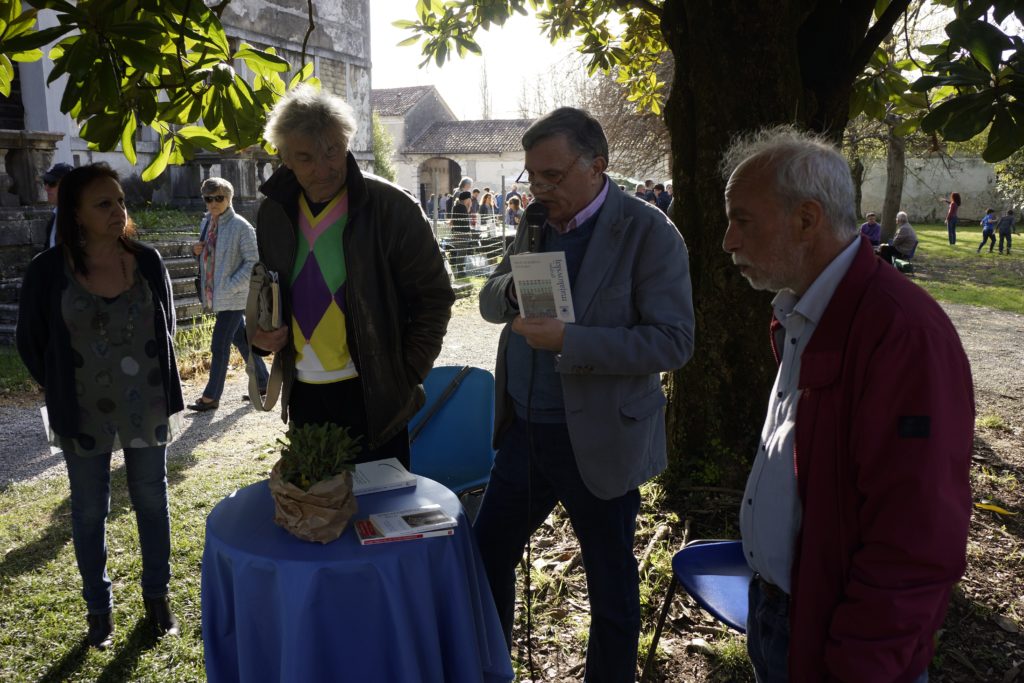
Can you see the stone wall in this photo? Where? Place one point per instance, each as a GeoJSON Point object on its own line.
{"type": "Point", "coordinates": [928, 180]}
{"type": "Point", "coordinates": [339, 46]}
{"type": "Point", "coordinates": [22, 235]}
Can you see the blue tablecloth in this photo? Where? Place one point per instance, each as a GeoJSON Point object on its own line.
{"type": "Point", "coordinates": [276, 608]}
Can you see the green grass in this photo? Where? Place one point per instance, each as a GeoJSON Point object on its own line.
{"type": "Point", "coordinates": [13, 373]}
{"type": "Point", "coordinates": [991, 421]}
{"type": "Point", "coordinates": [958, 274]}
{"type": "Point", "coordinates": [40, 603]}
{"type": "Point", "coordinates": [162, 219]}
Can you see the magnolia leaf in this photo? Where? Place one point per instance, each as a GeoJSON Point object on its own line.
{"type": "Point", "coordinates": [1005, 137]}
{"type": "Point", "coordinates": [301, 75]}
{"type": "Point", "coordinates": [993, 508]}
{"type": "Point", "coordinates": [960, 118]}
{"type": "Point", "coordinates": [159, 163]}
{"type": "Point", "coordinates": [266, 60]}
{"type": "Point", "coordinates": [6, 75]}
{"type": "Point", "coordinates": [985, 41]}
{"type": "Point", "coordinates": [128, 138]}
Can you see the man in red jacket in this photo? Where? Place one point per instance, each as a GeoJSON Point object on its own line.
{"type": "Point", "coordinates": [856, 511]}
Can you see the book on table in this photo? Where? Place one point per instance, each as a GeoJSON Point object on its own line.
{"type": "Point", "coordinates": [542, 285]}
{"type": "Point", "coordinates": [381, 475]}
{"type": "Point", "coordinates": [405, 525]}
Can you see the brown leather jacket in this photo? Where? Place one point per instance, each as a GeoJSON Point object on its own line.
{"type": "Point", "coordinates": [398, 297]}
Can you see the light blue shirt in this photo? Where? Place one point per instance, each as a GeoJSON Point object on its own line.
{"type": "Point", "coordinates": [770, 514]}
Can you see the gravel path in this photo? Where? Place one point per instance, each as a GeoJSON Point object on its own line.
{"type": "Point", "coordinates": [991, 338]}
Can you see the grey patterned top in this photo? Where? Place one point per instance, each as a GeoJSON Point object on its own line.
{"type": "Point", "coordinates": [117, 375]}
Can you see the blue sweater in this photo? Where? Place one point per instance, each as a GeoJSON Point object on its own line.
{"type": "Point", "coordinates": [547, 404]}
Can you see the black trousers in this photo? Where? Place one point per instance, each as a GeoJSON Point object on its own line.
{"type": "Point", "coordinates": [342, 403]}
{"type": "Point", "coordinates": [889, 252]}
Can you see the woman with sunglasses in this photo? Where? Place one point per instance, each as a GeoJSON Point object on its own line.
{"type": "Point", "coordinates": [227, 252]}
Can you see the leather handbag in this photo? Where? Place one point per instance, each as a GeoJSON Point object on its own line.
{"type": "Point", "coordinates": [263, 311]}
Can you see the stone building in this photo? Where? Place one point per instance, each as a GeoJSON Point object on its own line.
{"type": "Point", "coordinates": [434, 150]}
{"type": "Point", "coordinates": [34, 134]}
{"type": "Point", "coordinates": [37, 133]}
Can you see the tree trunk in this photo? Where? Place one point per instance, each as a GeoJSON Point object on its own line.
{"type": "Point", "coordinates": [895, 170]}
{"type": "Point", "coordinates": [740, 65]}
{"type": "Point", "coordinates": [857, 173]}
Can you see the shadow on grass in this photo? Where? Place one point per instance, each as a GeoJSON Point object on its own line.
{"type": "Point", "coordinates": [70, 663]}
{"type": "Point", "coordinates": [57, 534]}
{"type": "Point", "coordinates": [140, 639]}
{"type": "Point", "coordinates": [971, 647]}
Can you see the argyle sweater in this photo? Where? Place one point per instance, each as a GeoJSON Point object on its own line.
{"type": "Point", "coordinates": [318, 283]}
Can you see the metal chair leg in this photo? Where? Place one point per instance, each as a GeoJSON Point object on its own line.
{"type": "Point", "coordinates": [653, 649]}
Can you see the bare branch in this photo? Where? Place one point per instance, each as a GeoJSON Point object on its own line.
{"type": "Point", "coordinates": [309, 32]}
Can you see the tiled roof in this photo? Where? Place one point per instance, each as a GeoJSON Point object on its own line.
{"type": "Point", "coordinates": [470, 137]}
{"type": "Point", "coordinates": [397, 101]}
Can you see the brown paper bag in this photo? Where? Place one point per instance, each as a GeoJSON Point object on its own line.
{"type": "Point", "coordinates": [319, 514]}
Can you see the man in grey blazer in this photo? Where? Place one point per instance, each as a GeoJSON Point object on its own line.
{"type": "Point", "coordinates": [580, 410]}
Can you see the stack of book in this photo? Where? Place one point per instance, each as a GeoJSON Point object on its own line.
{"type": "Point", "coordinates": [405, 525]}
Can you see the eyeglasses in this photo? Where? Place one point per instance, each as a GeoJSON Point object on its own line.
{"type": "Point", "coordinates": [210, 198]}
{"type": "Point", "coordinates": [550, 181]}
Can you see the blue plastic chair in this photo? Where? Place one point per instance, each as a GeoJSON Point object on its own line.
{"type": "Point", "coordinates": [451, 434]}
{"type": "Point", "coordinates": [717, 576]}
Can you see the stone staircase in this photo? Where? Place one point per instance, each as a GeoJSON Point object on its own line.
{"type": "Point", "coordinates": [182, 267]}
{"type": "Point", "coordinates": [175, 248]}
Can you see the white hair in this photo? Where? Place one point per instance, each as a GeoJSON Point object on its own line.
{"type": "Point", "coordinates": [311, 112]}
{"type": "Point", "coordinates": [215, 184]}
{"type": "Point", "coordinates": [805, 167]}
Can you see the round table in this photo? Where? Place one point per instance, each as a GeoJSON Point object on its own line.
{"type": "Point", "coordinates": [277, 608]}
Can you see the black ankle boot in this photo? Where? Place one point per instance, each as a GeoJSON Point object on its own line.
{"type": "Point", "coordinates": [158, 611]}
{"type": "Point", "coordinates": [101, 630]}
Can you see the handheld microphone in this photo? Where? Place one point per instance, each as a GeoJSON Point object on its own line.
{"type": "Point", "coordinates": [535, 216]}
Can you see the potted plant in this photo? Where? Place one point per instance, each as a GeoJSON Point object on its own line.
{"type": "Point", "coordinates": [312, 482]}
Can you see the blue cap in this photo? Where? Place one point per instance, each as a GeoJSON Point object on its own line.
{"type": "Point", "coordinates": [55, 174]}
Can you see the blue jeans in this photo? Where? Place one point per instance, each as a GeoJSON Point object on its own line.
{"type": "Point", "coordinates": [987, 235]}
{"type": "Point", "coordinates": [229, 328]}
{"type": "Point", "coordinates": [951, 229]}
{"type": "Point", "coordinates": [521, 493]}
{"type": "Point", "coordinates": [768, 634]}
{"type": "Point", "coordinates": [146, 470]}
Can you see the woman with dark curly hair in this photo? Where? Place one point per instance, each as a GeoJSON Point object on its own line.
{"type": "Point", "coordinates": [96, 330]}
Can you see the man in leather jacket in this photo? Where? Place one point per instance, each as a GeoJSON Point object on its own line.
{"type": "Point", "coordinates": [365, 296]}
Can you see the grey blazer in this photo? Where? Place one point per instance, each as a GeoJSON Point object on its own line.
{"type": "Point", "coordinates": [634, 320]}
